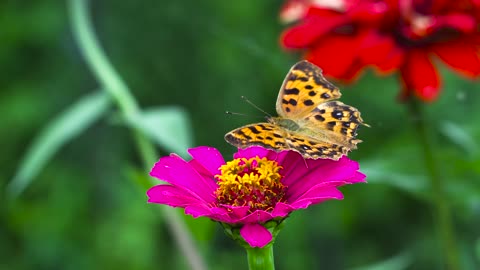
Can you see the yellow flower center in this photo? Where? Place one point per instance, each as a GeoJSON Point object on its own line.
{"type": "Point", "coordinates": [253, 182]}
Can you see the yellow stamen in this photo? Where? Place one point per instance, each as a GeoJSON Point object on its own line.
{"type": "Point", "coordinates": [253, 182]}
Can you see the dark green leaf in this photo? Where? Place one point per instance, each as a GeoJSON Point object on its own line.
{"type": "Point", "coordinates": [399, 262]}
{"type": "Point", "coordinates": [460, 137]}
{"type": "Point", "coordinates": [384, 172]}
{"type": "Point", "coordinates": [169, 127]}
{"type": "Point", "coordinates": [58, 132]}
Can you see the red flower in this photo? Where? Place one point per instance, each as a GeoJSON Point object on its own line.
{"type": "Point", "coordinates": [390, 35]}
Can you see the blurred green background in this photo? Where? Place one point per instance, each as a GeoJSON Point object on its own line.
{"type": "Point", "coordinates": [84, 210]}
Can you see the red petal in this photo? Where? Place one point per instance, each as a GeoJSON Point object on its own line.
{"type": "Point", "coordinates": [337, 55]}
{"type": "Point", "coordinates": [439, 5]}
{"type": "Point", "coordinates": [368, 12]}
{"type": "Point", "coordinates": [463, 56]}
{"type": "Point", "coordinates": [381, 51]}
{"type": "Point", "coordinates": [460, 22]}
{"type": "Point", "coordinates": [419, 75]}
{"type": "Point", "coordinates": [311, 29]}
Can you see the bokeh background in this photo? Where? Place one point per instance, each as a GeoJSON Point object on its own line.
{"type": "Point", "coordinates": [85, 209]}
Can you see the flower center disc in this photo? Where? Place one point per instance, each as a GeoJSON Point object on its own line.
{"type": "Point", "coordinates": [253, 182]}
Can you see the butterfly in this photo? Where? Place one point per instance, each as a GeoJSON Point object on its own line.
{"type": "Point", "coordinates": [310, 119]}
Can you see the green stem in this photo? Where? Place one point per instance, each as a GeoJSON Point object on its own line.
{"type": "Point", "coordinates": [443, 216]}
{"type": "Point", "coordinates": [118, 90]}
{"type": "Point", "coordinates": [260, 258]}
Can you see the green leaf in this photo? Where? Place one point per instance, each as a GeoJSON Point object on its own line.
{"type": "Point", "coordinates": [477, 249]}
{"type": "Point", "coordinates": [382, 171]}
{"type": "Point", "coordinates": [169, 127]}
{"type": "Point", "coordinates": [399, 262]}
{"type": "Point", "coordinates": [58, 132]}
{"type": "Point", "coordinates": [460, 137]}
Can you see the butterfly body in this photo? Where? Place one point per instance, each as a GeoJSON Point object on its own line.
{"type": "Point", "coordinates": [310, 119]}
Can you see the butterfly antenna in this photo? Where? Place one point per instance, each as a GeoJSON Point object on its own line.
{"type": "Point", "coordinates": [255, 106]}
{"type": "Point", "coordinates": [240, 114]}
{"type": "Point", "coordinates": [235, 113]}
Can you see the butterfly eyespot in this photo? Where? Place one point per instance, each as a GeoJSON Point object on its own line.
{"type": "Point", "coordinates": [306, 147]}
{"type": "Point", "coordinates": [337, 114]}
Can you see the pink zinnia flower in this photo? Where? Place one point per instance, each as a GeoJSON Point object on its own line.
{"type": "Point", "coordinates": [257, 186]}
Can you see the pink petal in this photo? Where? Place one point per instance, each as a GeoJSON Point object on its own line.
{"type": "Point", "coordinates": [173, 196]}
{"type": "Point", "coordinates": [221, 214]}
{"type": "Point", "coordinates": [198, 210]}
{"type": "Point", "coordinates": [236, 212]}
{"type": "Point", "coordinates": [293, 166]}
{"type": "Point", "coordinates": [282, 210]}
{"type": "Point", "coordinates": [463, 56]}
{"type": "Point", "coordinates": [317, 195]}
{"type": "Point", "coordinates": [358, 177]}
{"type": "Point", "coordinates": [321, 171]}
{"type": "Point", "coordinates": [259, 216]}
{"type": "Point", "coordinates": [178, 172]}
{"type": "Point", "coordinates": [256, 235]}
{"type": "Point", "coordinates": [209, 157]}
{"type": "Point", "coordinates": [419, 75]}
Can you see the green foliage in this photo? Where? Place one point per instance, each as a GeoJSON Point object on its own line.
{"type": "Point", "coordinates": [169, 127]}
{"type": "Point", "coordinates": [61, 130]}
{"type": "Point", "coordinates": [399, 262]}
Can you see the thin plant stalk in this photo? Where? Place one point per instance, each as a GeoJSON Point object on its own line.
{"type": "Point", "coordinates": [443, 215]}
{"type": "Point", "coordinates": [119, 91]}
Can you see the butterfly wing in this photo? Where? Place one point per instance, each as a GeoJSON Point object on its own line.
{"type": "Point", "coordinates": [275, 138]}
{"type": "Point", "coordinates": [334, 122]}
{"type": "Point", "coordinates": [310, 121]}
{"type": "Point", "coordinates": [310, 147]}
{"type": "Point", "coordinates": [303, 89]}
{"type": "Point", "coordinates": [263, 134]}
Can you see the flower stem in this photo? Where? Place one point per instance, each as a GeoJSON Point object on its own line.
{"type": "Point", "coordinates": [114, 85]}
{"type": "Point", "coordinates": [260, 258]}
{"type": "Point", "coordinates": [443, 216]}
